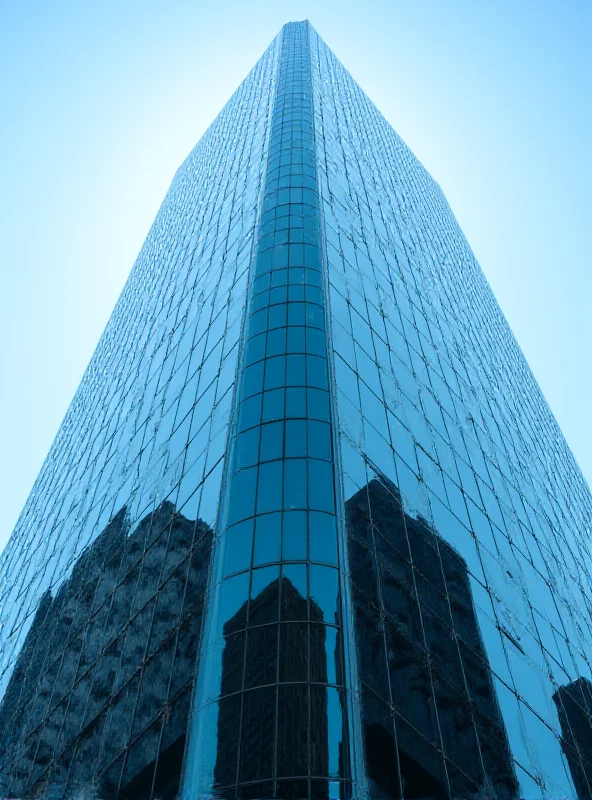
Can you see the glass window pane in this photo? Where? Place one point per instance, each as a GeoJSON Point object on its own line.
{"type": "Point", "coordinates": [242, 495]}
{"type": "Point", "coordinates": [238, 547]}
{"type": "Point", "coordinates": [320, 485]}
{"type": "Point", "coordinates": [274, 372]}
{"type": "Point", "coordinates": [273, 405]}
{"type": "Point", "coordinates": [247, 448]}
{"type": "Point", "coordinates": [294, 536]}
{"type": "Point", "coordinates": [250, 412]}
{"type": "Point", "coordinates": [323, 537]}
{"type": "Point", "coordinates": [269, 492]}
{"type": "Point", "coordinates": [295, 370]}
{"type": "Point", "coordinates": [293, 656]}
{"type": "Point", "coordinates": [276, 342]}
{"type": "Point", "coordinates": [293, 722]}
{"type": "Point", "coordinates": [295, 402]}
{"type": "Point", "coordinates": [295, 483]}
{"type": "Point", "coordinates": [324, 594]}
{"type": "Point", "coordinates": [234, 593]}
{"type": "Point", "coordinates": [319, 440]}
{"type": "Point", "coordinates": [296, 438]}
{"type": "Point", "coordinates": [272, 441]}
{"type": "Point", "coordinates": [318, 404]}
{"type": "Point", "coordinates": [267, 539]}
{"type": "Point", "coordinates": [294, 602]}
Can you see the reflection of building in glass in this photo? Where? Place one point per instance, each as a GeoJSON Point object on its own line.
{"type": "Point", "coordinates": [101, 686]}
{"type": "Point", "coordinates": [574, 706]}
{"type": "Point", "coordinates": [427, 687]}
{"type": "Point", "coordinates": [305, 314]}
{"type": "Point", "coordinates": [281, 657]}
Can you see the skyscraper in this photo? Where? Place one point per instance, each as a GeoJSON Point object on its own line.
{"type": "Point", "coordinates": [308, 529]}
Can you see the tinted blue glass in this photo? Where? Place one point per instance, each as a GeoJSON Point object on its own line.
{"type": "Point", "coordinates": [267, 539]}
{"type": "Point", "coordinates": [296, 438]}
{"type": "Point", "coordinates": [250, 412]}
{"type": "Point", "coordinates": [295, 580]}
{"type": "Point", "coordinates": [318, 404]}
{"type": "Point", "coordinates": [306, 365]}
{"type": "Point", "coordinates": [264, 578]}
{"type": "Point", "coordinates": [273, 405]}
{"type": "Point", "coordinates": [253, 379]}
{"type": "Point", "coordinates": [324, 587]}
{"type": "Point", "coordinates": [248, 447]}
{"type": "Point", "coordinates": [275, 372]}
{"type": "Point", "coordinates": [320, 486]}
{"type": "Point", "coordinates": [296, 340]}
{"type": "Point", "coordinates": [295, 483]}
{"type": "Point", "coordinates": [285, 336]}
{"type": "Point", "coordinates": [455, 484]}
{"type": "Point", "coordinates": [295, 536]}
{"type": "Point", "coordinates": [242, 503]}
{"type": "Point", "coordinates": [272, 441]}
{"type": "Point", "coordinates": [319, 440]}
{"type": "Point", "coordinates": [234, 592]}
{"type": "Point", "coordinates": [269, 489]}
{"type": "Point", "coordinates": [323, 538]}
{"type": "Point", "coordinates": [296, 402]}
{"type": "Point", "coordinates": [238, 547]}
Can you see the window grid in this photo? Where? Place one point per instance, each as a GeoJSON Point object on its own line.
{"type": "Point", "coordinates": [279, 674]}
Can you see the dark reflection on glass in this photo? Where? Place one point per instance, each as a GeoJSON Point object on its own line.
{"type": "Point", "coordinates": [574, 708]}
{"type": "Point", "coordinates": [272, 722]}
{"type": "Point", "coordinates": [432, 724]}
{"type": "Point", "coordinates": [100, 692]}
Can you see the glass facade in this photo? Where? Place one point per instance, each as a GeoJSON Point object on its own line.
{"type": "Point", "coordinates": [309, 529]}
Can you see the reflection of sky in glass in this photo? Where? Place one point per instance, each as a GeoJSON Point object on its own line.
{"type": "Point", "coordinates": [436, 419]}
{"type": "Point", "coordinates": [481, 124]}
{"type": "Point", "coordinates": [428, 406]}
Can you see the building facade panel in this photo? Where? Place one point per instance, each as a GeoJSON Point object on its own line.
{"type": "Point", "coordinates": [102, 582]}
{"type": "Point", "coordinates": [482, 564]}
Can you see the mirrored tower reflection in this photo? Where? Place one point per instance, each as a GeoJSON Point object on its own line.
{"type": "Point", "coordinates": [574, 706]}
{"type": "Point", "coordinates": [309, 528]}
{"type": "Point", "coordinates": [99, 694]}
{"type": "Point", "coordinates": [432, 722]}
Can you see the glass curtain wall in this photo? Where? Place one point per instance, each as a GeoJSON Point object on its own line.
{"type": "Point", "coordinates": [271, 716]}
{"type": "Point", "coordinates": [309, 528]}
{"type": "Point", "coordinates": [102, 581]}
{"type": "Point", "coordinates": [467, 518]}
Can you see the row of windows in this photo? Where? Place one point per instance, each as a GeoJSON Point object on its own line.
{"type": "Point", "coordinates": [298, 733]}
{"type": "Point", "coordinates": [289, 652]}
{"type": "Point", "coordinates": [290, 483]}
{"type": "Point", "coordinates": [279, 593]}
{"type": "Point", "coordinates": [292, 402]}
{"type": "Point", "coordinates": [280, 536]}
{"type": "Point", "coordinates": [296, 438]}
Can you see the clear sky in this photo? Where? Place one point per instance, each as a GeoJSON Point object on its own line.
{"type": "Point", "coordinates": [101, 100]}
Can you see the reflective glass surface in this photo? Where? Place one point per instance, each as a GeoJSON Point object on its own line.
{"type": "Point", "coordinates": [308, 529]}
{"type": "Point", "coordinates": [468, 521]}
{"type": "Point", "coordinates": [271, 711]}
{"type": "Point", "coordinates": [102, 582]}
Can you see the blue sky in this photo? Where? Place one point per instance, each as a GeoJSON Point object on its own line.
{"type": "Point", "coordinates": [101, 101]}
